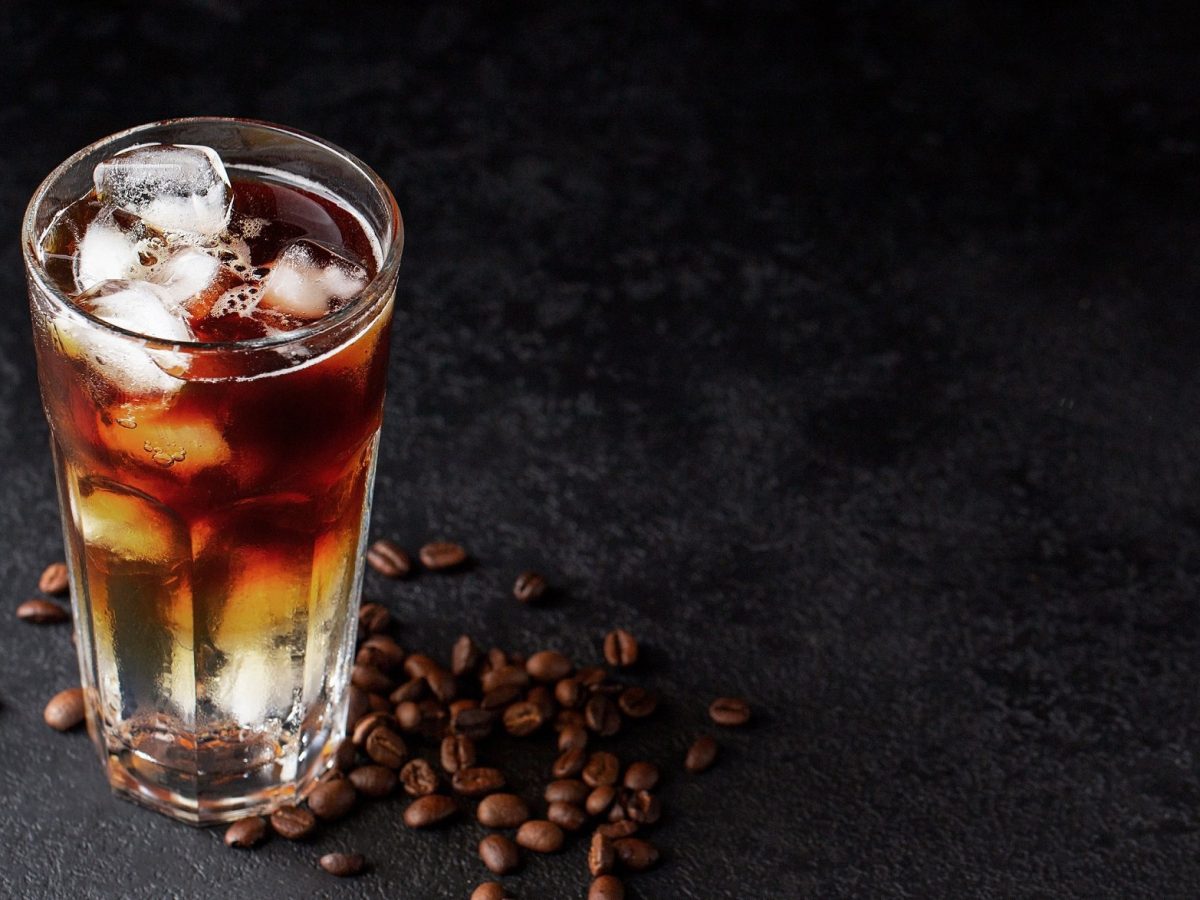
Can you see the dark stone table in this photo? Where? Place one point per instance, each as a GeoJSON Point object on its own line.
{"type": "Point", "coordinates": [846, 357]}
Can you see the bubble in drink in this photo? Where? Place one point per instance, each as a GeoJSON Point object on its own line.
{"type": "Point", "coordinates": [194, 279]}
{"type": "Point", "coordinates": [175, 187]}
{"type": "Point", "coordinates": [308, 279]}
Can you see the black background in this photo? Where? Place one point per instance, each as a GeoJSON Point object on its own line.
{"type": "Point", "coordinates": [846, 357]}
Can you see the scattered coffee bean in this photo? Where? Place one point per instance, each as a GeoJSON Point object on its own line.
{"type": "Point", "coordinates": [529, 587]}
{"type": "Point", "coordinates": [438, 556]}
{"type": "Point", "coordinates": [457, 752]}
{"type": "Point", "coordinates": [521, 719]}
{"type": "Point", "coordinates": [541, 697]}
{"type": "Point", "coordinates": [476, 781]}
{"type": "Point", "coordinates": [566, 816]}
{"type": "Point", "coordinates": [497, 698]}
{"type": "Point", "coordinates": [369, 656]}
{"type": "Point", "coordinates": [540, 836]}
{"type": "Point", "coordinates": [569, 718]}
{"type": "Point", "coordinates": [371, 680]}
{"type": "Point", "coordinates": [601, 855]}
{"type": "Point", "coordinates": [418, 778]}
{"type": "Point", "coordinates": [637, 703]}
{"type": "Point", "coordinates": [569, 763]}
{"type": "Point", "coordinates": [474, 723]}
{"type": "Point", "coordinates": [368, 723]}
{"type": "Point", "coordinates": [503, 677]}
{"type": "Point", "coordinates": [502, 811]}
{"type": "Point", "coordinates": [418, 665]}
{"type": "Point", "coordinates": [602, 716]}
{"type": "Point", "coordinates": [386, 747]}
{"type": "Point", "coordinates": [442, 684]}
{"type": "Point", "coordinates": [43, 612]}
{"type": "Point", "coordinates": [548, 665]}
{"type": "Point", "coordinates": [572, 738]}
{"type": "Point", "coordinates": [464, 656]}
{"type": "Point", "coordinates": [429, 810]}
{"type": "Point", "coordinates": [701, 755]}
{"type": "Point", "coordinates": [566, 790]}
{"type": "Point", "coordinates": [606, 887]}
{"type": "Point", "coordinates": [293, 822]}
{"type": "Point", "coordinates": [373, 781]}
{"type": "Point", "coordinates": [490, 890]}
{"type": "Point", "coordinates": [641, 776]}
{"type": "Point", "coordinates": [570, 693]}
{"type": "Point", "coordinates": [65, 709]}
{"type": "Point", "coordinates": [389, 559]}
{"type": "Point", "coordinates": [331, 800]}
{"type": "Point", "coordinates": [374, 617]}
{"type": "Point", "coordinates": [386, 646]}
{"type": "Point", "coordinates": [635, 854]}
{"type": "Point", "coordinates": [377, 703]}
{"type": "Point", "coordinates": [619, 829]}
{"type": "Point", "coordinates": [246, 833]}
{"type": "Point", "coordinates": [411, 690]}
{"type": "Point", "coordinates": [54, 579]}
{"type": "Point", "coordinates": [620, 648]}
{"type": "Point", "coordinates": [359, 706]}
{"type": "Point", "coordinates": [408, 715]}
{"type": "Point", "coordinates": [600, 799]}
{"type": "Point", "coordinates": [602, 768]}
{"type": "Point", "coordinates": [343, 865]}
{"type": "Point", "coordinates": [499, 854]}
{"type": "Point", "coordinates": [643, 807]}
{"type": "Point", "coordinates": [343, 760]}
{"type": "Point", "coordinates": [729, 711]}
{"type": "Point", "coordinates": [591, 676]}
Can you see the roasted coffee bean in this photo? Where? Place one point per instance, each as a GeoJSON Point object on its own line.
{"type": "Point", "coordinates": [499, 854]}
{"type": "Point", "coordinates": [369, 656]}
{"type": "Point", "coordinates": [504, 676]}
{"type": "Point", "coordinates": [438, 556]}
{"type": "Point", "coordinates": [495, 659]}
{"type": "Point", "coordinates": [386, 747]}
{"type": "Point", "coordinates": [293, 822]}
{"type": "Point", "coordinates": [500, 697]}
{"type": "Point", "coordinates": [566, 790]}
{"type": "Point", "coordinates": [464, 656]}
{"type": "Point", "coordinates": [246, 833]}
{"type": "Point", "coordinates": [616, 812]}
{"type": "Point", "coordinates": [474, 723]}
{"type": "Point", "coordinates": [600, 799]}
{"type": "Point", "coordinates": [548, 665]}
{"type": "Point", "coordinates": [502, 811]}
{"type": "Point", "coordinates": [374, 617]}
{"type": "Point", "coordinates": [371, 680]}
{"type": "Point", "coordinates": [539, 695]}
{"type": "Point", "coordinates": [408, 715]}
{"type": "Point", "coordinates": [457, 752]}
{"type": "Point", "coordinates": [418, 778]}
{"type": "Point", "coordinates": [434, 719]}
{"type": "Point", "coordinates": [602, 768]}
{"type": "Point", "coordinates": [389, 559]}
{"type": "Point", "coordinates": [521, 719]}
{"type": "Point", "coordinates": [615, 830]}
{"type": "Point", "coordinates": [385, 645]}
{"type": "Point", "coordinates": [343, 865]}
{"type": "Point", "coordinates": [606, 887]}
{"type": "Point", "coordinates": [429, 810]}
{"type": "Point", "coordinates": [460, 705]}
{"type": "Point", "coordinates": [601, 855]}
{"type": "Point", "coordinates": [359, 706]}
{"type": "Point", "coordinates": [378, 703]}
{"type": "Point", "coordinates": [572, 738]}
{"type": "Point", "coordinates": [566, 816]}
{"type": "Point", "coordinates": [65, 709]}
{"type": "Point", "coordinates": [529, 587]}
{"type": "Point", "coordinates": [569, 763]}
{"type": "Point", "coordinates": [701, 755]}
{"type": "Point", "coordinates": [637, 703]}
{"type": "Point", "coordinates": [368, 723]}
{"type": "Point", "coordinates": [540, 836]}
{"type": "Point", "coordinates": [476, 781]}
{"type": "Point", "coordinates": [569, 718]}
{"type": "Point", "coordinates": [570, 693]}
{"type": "Point", "coordinates": [729, 711]}
{"type": "Point", "coordinates": [442, 684]}
{"type": "Point", "coordinates": [343, 760]}
{"type": "Point", "coordinates": [54, 579]}
{"type": "Point", "coordinates": [641, 776]}
{"type": "Point", "coordinates": [591, 676]}
{"type": "Point", "coordinates": [413, 689]}
{"type": "Point", "coordinates": [490, 890]}
{"type": "Point", "coordinates": [418, 665]}
{"type": "Point", "coordinates": [643, 807]}
{"type": "Point", "coordinates": [620, 648]}
{"type": "Point", "coordinates": [635, 854]}
{"type": "Point", "coordinates": [331, 800]}
{"type": "Point", "coordinates": [373, 781]}
{"type": "Point", "coordinates": [602, 716]}
{"type": "Point", "coordinates": [43, 612]}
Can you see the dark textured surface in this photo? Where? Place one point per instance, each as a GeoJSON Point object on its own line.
{"type": "Point", "coordinates": [847, 358]}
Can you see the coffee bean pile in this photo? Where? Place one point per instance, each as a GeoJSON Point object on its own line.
{"type": "Point", "coordinates": [404, 702]}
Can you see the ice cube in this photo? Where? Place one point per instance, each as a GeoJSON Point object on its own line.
{"type": "Point", "coordinates": [307, 278]}
{"type": "Point", "coordinates": [175, 187]}
{"type": "Point", "coordinates": [192, 278]}
{"type": "Point", "coordinates": [106, 252]}
{"type": "Point", "coordinates": [137, 306]}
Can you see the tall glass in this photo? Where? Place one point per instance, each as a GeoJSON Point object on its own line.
{"type": "Point", "coordinates": [215, 499]}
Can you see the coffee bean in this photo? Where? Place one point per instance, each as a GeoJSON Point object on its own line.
{"type": "Point", "coordinates": [371, 680]}
{"type": "Point", "coordinates": [620, 648]}
{"type": "Point", "coordinates": [529, 587]}
{"type": "Point", "coordinates": [643, 807]}
{"type": "Point", "coordinates": [499, 854]}
{"type": "Point", "coordinates": [606, 887]}
{"type": "Point", "coordinates": [434, 718]}
{"type": "Point", "coordinates": [635, 854]}
{"type": "Point", "coordinates": [408, 715]}
{"type": "Point", "coordinates": [442, 684]}
{"type": "Point", "coordinates": [343, 865]}
{"type": "Point", "coordinates": [473, 723]}
{"type": "Point", "coordinates": [464, 656]}
{"type": "Point", "coordinates": [374, 617]}
{"type": "Point", "coordinates": [369, 656]}
{"type": "Point", "coordinates": [572, 738]}
{"type": "Point", "coordinates": [490, 890]}
{"type": "Point", "coordinates": [373, 781]}
{"type": "Point", "coordinates": [386, 747]}
{"type": "Point", "coordinates": [385, 645]}
{"type": "Point", "coordinates": [54, 579]}
{"type": "Point", "coordinates": [293, 822]}
{"type": "Point", "coordinates": [429, 810]}
{"type": "Point", "coordinates": [601, 855]}
{"type": "Point", "coordinates": [641, 776]}
{"type": "Point", "coordinates": [343, 760]}
{"type": "Point", "coordinates": [331, 800]}
{"type": "Point", "coordinates": [566, 790]}
{"type": "Point", "coordinates": [500, 697]}
{"type": "Point", "coordinates": [569, 718]}
{"type": "Point", "coordinates": [495, 659]}
{"type": "Point", "coordinates": [502, 811]}
{"type": "Point", "coordinates": [368, 723]}
{"type": "Point", "coordinates": [602, 716]}
{"type": "Point", "coordinates": [602, 768]}
{"type": "Point", "coordinates": [377, 703]}
{"type": "Point", "coordinates": [570, 693]}
{"type": "Point", "coordinates": [548, 665]}
{"type": "Point", "coordinates": [418, 778]}
{"type": "Point", "coordinates": [541, 697]}
{"type": "Point", "coordinates": [600, 799]}
{"type": "Point", "coordinates": [729, 711]}
{"type": "Point", "coordinates": [701, 755]}
{"type": "Point", "coordinates": [521, 719]}
{"type": "Point", "coordinates": [457, 752]}
{"type": "Point", "coordinates": [476, 781]}
{"type": "Point", "coordinates": [65, 709]}
{"type": "Point", "coordinates": [637, 703]}
{"type": "Point", "coordinates": [591, 676]}
{"type": "Point", "coordinates": [43, 612]}
{"type": "Point", "coordinates": [246, 833]}
{"type": "Point", "coordinates": [413, 689]}
{"type": "Point", "coordinates": [569, 763]}
{"type": "Point", "coordinates": [566, 816]}
{"type": "Point", "coordinates": [540, 836]}
{"type": "Point", "coordinates": [358, 706]}
{"type": "Point", "coordinates": [440, 555]}
{"type": "Point", "coordinates": [418, 665]}
{"type": "Point", "coordinates": [389, 559]}
{"type": "Point", "coordinates": [616, 812]}
{"type": "Point", "coordinates": [615, 830]}
{"type": "Point", "coordinates": [505, 675]}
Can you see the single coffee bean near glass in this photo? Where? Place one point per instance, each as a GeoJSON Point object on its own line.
{"type": "Point", "coordinates": [438, 556]}
{"type": "Point", "coordinates": [389, 559]}
{"type": "Point", "coordinates": [343, 865]}
{"type": "Point", "coordinates": [43, 612]}
{"type": "Point", "coordinates": [54, 579]}
{"type": "Point", "coordinates": [293, 822]}
{"type": "Point", "coordinates": [246, 833]}
{"type": "Point", "coordinates": [65, 709]}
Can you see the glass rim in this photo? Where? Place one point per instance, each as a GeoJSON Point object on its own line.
{"type": "Point", "coordinates": [375, 289]}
